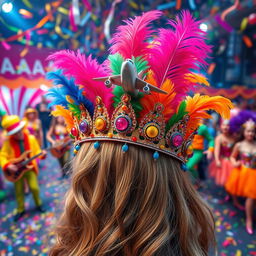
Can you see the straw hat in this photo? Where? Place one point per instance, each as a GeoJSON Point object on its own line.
{"type": "Point", "coordinates": [12, 124]}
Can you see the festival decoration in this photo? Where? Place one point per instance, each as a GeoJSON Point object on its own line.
{"type": "Point", "coordinates": [229, 10]}
{"type": "Point", "coordinates": [247, 41]}
{"type": "Point", "coordinates": [19, 68]}
{"type": "Point", "coordinates": [252, 19]}
{"type": "Point", "coordinates": [148, 106]}
{"type": "Point", "coordinates": [15, 101]}
{"type": "Point", "coordinates": [231, 93]}
{"type": "Point", "coordinates": [62, 19]}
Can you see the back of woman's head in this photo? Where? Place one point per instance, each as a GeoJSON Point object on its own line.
{"type": "Point", "coordinates": [129, 204]}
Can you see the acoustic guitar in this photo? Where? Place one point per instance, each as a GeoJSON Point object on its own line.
{"type": "Point", "coordinates": [60, 147]}
{"type": "Point", "coordinates": [23, 162]}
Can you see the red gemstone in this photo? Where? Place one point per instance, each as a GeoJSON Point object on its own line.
{"type": "Point", "coordinates": [134, 139]}
{"type": "Point", "coordinates": [159, 108]}
{"type": "Point", "coordinates": [177, 140]}
{"type": "Point", "coordinates": [92, 135]}
{"type": "Point", "coordinates": [74, 131]}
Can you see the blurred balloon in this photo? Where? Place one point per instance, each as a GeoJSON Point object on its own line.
{"type": "Point", "coordinates": [252, 19]}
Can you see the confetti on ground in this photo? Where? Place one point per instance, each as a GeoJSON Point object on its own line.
{"type": "Point", "coordinates": [33, 235]}
{"type": "Point", "coordinates": [232, 238]}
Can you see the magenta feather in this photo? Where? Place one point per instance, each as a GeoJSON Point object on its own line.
{"type": "Point", "coordinates": [131, 39]}
{"type": "Point", "coordinates": [177, 52]}
{"type": "Point", "coordinates": [83, 69]}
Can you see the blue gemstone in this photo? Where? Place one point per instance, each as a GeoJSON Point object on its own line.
{"type": "Point", "coordinates": [184, 167]}
{"type": "Point", "coordinates": [156, 155]}
{"type": "Point", "coordinates": [77, 147]}
{"type": "Point", "coordinates": [125, 148]}
{"type": "Point", "coordinates": [96, 145]}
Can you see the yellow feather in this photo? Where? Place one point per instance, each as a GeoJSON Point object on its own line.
{"type": "Point", "coordinates": [197, 79]}
{"type": "Point", "coordinates": [199, 104]}
{"type": "Point", "coordinates": [61, 111]}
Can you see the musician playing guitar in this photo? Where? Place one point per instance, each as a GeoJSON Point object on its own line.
{"type": "Point", "coordinates": [57, 134]}
{"type": "Point", "coordinates": [18, 142]}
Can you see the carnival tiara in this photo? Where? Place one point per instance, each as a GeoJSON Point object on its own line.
{"type": "Point", "coordinates": [139, 94]}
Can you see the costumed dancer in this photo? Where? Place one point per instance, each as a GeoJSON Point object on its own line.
{"type": "Point", "coordinates": [220, 168]}
{"type": "Point", "coordinates": [198, 151]}
{"type": "Point", "coordinates": [33, 124]}
{"type": "Point", "coordinates": [241, 181]}
{"type": "Point", "coordinates": [129, 194]}
{"type": "Point", "coordinates": [58, 135]}
{"type": "Point", "coordinates": [17, 143]}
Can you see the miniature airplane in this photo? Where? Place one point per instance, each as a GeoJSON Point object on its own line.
{"type": "Point", "coordinates": [129, 80]}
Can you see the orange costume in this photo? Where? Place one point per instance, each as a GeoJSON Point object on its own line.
{"type": "Point", "coordinates": [241, 181]}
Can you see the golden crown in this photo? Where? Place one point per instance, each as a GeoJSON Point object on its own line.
{"type": "Point", "coordinates": [124, 127]}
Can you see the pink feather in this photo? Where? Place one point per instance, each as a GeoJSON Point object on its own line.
{"type": "Point", "coordinates": [84, 69]}
{"type": "Point", "coordinates": [131, 39]}
{"type": "Point", "coordinates": [176, 52]}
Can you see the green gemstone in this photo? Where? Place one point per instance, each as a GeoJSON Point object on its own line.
{"type": "Point", "coordinates": [71, 136]}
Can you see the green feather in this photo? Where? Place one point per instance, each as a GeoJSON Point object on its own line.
{"type": "Point", "coordinates": [178, 116]}
{"type": "Point", "coordinates": [2, 112]}
{"type": "Point", "coordinates": [140, 63]}
{"type": "Point", "coordinates": [116, 61]}
{"type": "Point", "coordinates": [75, 110]}
{"type": "Point", "coordinates": [135, 101]}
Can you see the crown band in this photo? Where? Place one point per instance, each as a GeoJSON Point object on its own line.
{"type": "Point", "coordinates": [137, 143]}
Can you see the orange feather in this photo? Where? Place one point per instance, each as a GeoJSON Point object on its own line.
{"type": "Point", "coordinates": [148, 101]}
{"type": "Point", "coordinates": [199, 104]}
{"type": "Point", "coordinates": [61, 111]}
{"type": "Point", "coordinates": [197, 79]}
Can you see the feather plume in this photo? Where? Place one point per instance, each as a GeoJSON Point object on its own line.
{"type": "Point", "coordinates": [2, 112]}
{"type": "Point", "coordinates": [148, 101]}
{"type": "Point", "coordinates": [115, 63]}
{"type": "Point", "coordinates": [197, 79]}
{"type": "Point", "coordinates": [176, 52]}
{"type": "Point", "coordinates": [199, 104]}
{"type": "Point", "coordinates": [75, 110]}
{"type": "Point", "coordinates": [177, 116]}
{"type": "Point", "coordinates": [69, 88]}
{"type": "Point", "coordinates": [140, 64]}
{"type": "Point", "coordinates": [84, 69]}
{"type": "Point", "coordinates": [61, 111]}
{"type": "Point", "coordinates": [130, 40]}
{"type": "Point", "coordinates": [56, 97]}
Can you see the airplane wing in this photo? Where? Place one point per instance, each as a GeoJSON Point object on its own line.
{"type": "Point", "coordinates": [113, 79]}
{"type": "Point", "coordinates": [146, 87]}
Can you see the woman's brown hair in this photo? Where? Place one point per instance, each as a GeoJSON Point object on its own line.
{"type": "Point", "coordinates": [129, 204]}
